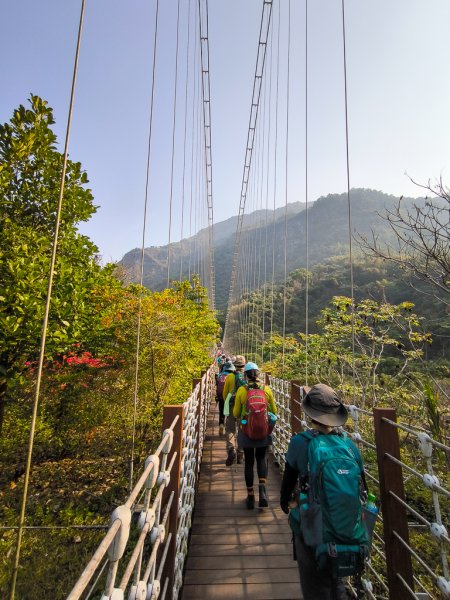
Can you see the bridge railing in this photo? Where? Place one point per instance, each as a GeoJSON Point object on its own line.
{"type": "Point", "coordinates": [144, 550]}
{"type": "Point", "coordinates": [411, 541]}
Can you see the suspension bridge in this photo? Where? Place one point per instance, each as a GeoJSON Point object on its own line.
{"type": "Point", "coordinates": [184, 532]}
{"type": "Point", "coordinates": [196, 539]}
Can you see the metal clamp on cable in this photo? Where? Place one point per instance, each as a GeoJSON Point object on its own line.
{"type": "Point", "coordinates": [431, 481]}
{"type": "Point", "coordinates": [117, 547]}
{"type": "Point", "coordinates": [117, 594]}
{"type": "Point", "coordinates": [438, 531]}
{"type": "Point", "coordinates": [168, 445]}
{"type": "Point", "coordinates": [153, 590]}
{"type": "Point", "coordinates": [367, 585]}
{"type": "Point", "coordinates": [146, 518]}
{"type": "Point", "coordinates": [158, 533]}
{"type": "Point", "coordinates": [153, 475]}
{"type": "Point", "coordinates": [352, 409]}
{"type": "Point", "coordinates": [444, 586]}
{"type": "Point", "coordinates": [425, 444]}
{"type": "Point", "coordinates": [163, 478]}
{"type": "Point", "coordinates": [138, 592]}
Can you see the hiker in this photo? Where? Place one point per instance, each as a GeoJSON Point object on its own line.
{"type": "Point", "coordinates": [327, 467]}
{"type": "Point", "coordinates": [221, 361]}
{"type": "Point", "coordinates": [232, 383]}
{"type": "Point", "coordinates": [227, 368]}
{"type": "Point", "coordinates": [253, 402]}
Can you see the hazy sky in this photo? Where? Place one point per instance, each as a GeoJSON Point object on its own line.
{"type": "Point", "coordinates": [398, 60]}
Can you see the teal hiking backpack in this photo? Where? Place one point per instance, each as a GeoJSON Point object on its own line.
{"type": "Point", "coordinates": [239, 380]}
{"type": "Point", "coordinates": [330, 515]}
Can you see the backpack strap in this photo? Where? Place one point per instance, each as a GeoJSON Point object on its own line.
{"type": "Point", "coordinates": [236, 378]}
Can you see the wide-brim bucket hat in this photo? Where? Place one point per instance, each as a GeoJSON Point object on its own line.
{"type": "Point", "coordinates": [239, 361]}
{"type": "Point", "coordinates": [323, 405]}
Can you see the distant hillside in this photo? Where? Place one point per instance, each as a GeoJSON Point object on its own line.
{"type": "Point", "coordinates": [185, 252]}
{"type": "Point", "coordinates": [328, 236]}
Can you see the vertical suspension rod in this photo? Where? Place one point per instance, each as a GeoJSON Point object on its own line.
{"type": "Point", "coordinates": [206, 96]}
{"type": "Point", "coordinates": [256, 95]}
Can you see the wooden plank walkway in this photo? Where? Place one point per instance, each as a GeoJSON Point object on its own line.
{"type": "Point", "coordinates": [235, 552]}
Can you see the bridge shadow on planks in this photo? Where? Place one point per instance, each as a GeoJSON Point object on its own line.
{"type": "Point", "coordinates": [235, 552]}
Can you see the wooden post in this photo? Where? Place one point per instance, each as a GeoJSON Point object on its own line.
{"type": "Point", "coordinates": [169, 414]}
{"type": "Point", "coordinates": [198, 428]}
{"type": "Point", "coordinates": [296, 411]}
{"type": "Point", "coordinates": [195, 383]}
{"type": "Point", "coordinates": [204, 391]}
{"type": "Point", "coordinates": [398, 559]}
{"type": "Point", "coordinates": [267, 378]}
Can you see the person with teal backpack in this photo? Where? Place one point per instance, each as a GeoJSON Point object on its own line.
{"type": "Point", "coordinates": [232, 383]}
{"type": "Point", "coordinates": [331, 538]}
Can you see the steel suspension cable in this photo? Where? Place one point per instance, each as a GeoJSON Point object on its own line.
{"type": "Point", "coordinates": [286, 181]}
{"type": "Point", "coordinates": [267, 193]}
{"type": "Point", "coordinates": [275, 178]}
{"type": "Point", "coordinates": [206, 96]}
{"type": "Point", "coordinates": [141, 276]}
{"type": "Point", "coordinates": [259, 72]}
{"type": "Point", "coordinates": [174, 127]}
{"type": "Point", "coordinates": [183, 193]}
{"type": "Point", "coordinates": [192, 171]}
{"type": "Point", "coordinates": [306, 201]}
{"type": "Point", "coordinates": [260, 226]}
{"type": "Point", "coordinates": [349, 206]}
{"type": "Point", "coordinates": [46, 315]}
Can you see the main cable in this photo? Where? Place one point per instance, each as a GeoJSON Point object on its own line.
{"type": "Point", "coordinates": [174, 126]}
{"type": "Point", "coordinates": [275, 180]}
{"type": "Point", "coordinates": [141, 278]}
{"type": "Point", "coordinates": [206, 97]}
{"type": "Point", "coordinates": [286, 181]}
{"type": "Point", "coordinates": [46, 314]}
{"type": "Point", "coordinates": [183, 193]}
{"type": "Point", "coordinates": [349, 206]}
{"type": "Point", "coordinates": [306, 202]}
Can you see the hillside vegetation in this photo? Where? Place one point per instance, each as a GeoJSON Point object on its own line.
{"type": "Point", "coordinates": [83, 444]}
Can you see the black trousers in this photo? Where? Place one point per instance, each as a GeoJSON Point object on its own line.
{"type": "Point", "coordinates": [261, 463]}
{"type": "Point", "coordinates": [315, 585]}
{"type": "Point", "coordinates": [221, 403]}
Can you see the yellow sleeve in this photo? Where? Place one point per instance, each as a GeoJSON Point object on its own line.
{"type": "Point", "coordinates": [229, 385]}
{"type": "Point", "coordinates": [241, 397]}
{"type": "Point", "coordinates": [270, 400]}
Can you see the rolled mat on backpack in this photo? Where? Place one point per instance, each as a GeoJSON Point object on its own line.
{"type": "Point", "coordinates": [226, 406]}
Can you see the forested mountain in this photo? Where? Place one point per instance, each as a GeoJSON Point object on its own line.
{"type": "Point", "coordinates": [375, 279]}
{"type": "Point", "coordinates": [328, 236]}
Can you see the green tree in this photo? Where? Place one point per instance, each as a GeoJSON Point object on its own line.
{"type": "Point", "coordinates": [30, 172]}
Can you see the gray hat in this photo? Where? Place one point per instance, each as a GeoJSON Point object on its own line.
{"type": "Point", "coordinates": [239, 361]}
{"type": "Point", "coordinates": [322, 404]}
{"type": "Point", "coordinates": [228, 366]}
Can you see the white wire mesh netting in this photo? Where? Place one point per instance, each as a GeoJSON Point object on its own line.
{"type": "Point", "coordinates": [148, 543]}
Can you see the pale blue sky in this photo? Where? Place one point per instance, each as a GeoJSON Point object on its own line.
{"type": "Point", "coordinates": [398, 59]}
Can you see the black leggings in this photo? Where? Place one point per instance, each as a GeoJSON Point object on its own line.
{"type": "Point", "coordinates": [261, 464]}
{"type": "Point", "coordinates": [221, 402]}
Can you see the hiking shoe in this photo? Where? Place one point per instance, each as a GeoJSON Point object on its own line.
{"type": "Point", "coordinates": [231, 457]}
{"type": "Point", "coordinates": [221, 429]}
{"type": "Point", "coordinates": [240, 457]}
{"type": "Point", "coordinates": [262, 497]}
{"type": "Point", "coordinates": [250, 501]}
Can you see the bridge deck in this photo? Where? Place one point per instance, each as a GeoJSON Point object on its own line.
{"type": "Point", "coordinates": [235, 552]}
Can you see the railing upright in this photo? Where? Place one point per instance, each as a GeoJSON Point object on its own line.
{"type": "Point", "coordinates": [199, 427]}
{"type": "Point", "coordinates": [296, 411]}
{"type": "Point", "coordinates": [398, 559]}
{"type": "Point", "coordinates": [169, 414]}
